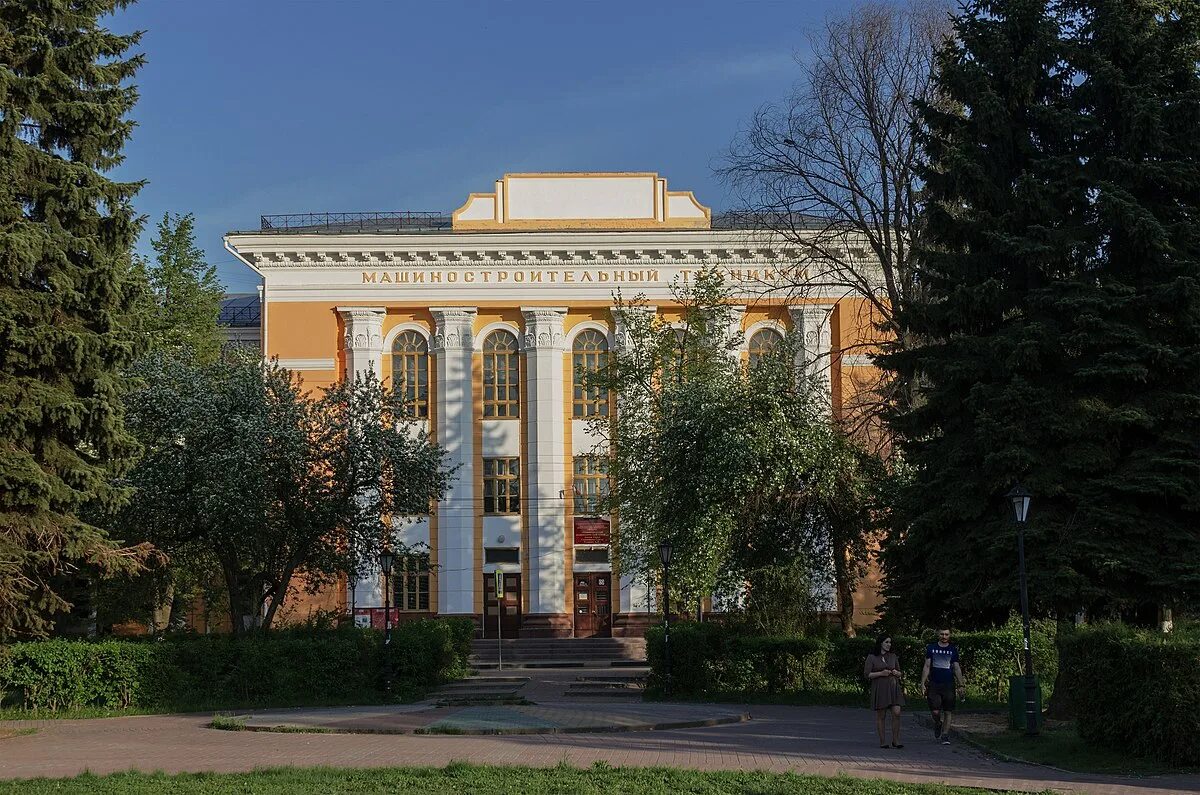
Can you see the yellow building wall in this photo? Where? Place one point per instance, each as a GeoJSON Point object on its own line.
{"type": "Point", "coordinates": [312, 330]}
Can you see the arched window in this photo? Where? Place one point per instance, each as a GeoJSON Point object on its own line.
{"type": "Point", "coordinates": [588, 356]}
{"type": "Point", "coordinates": [763, 344]}
{"type": "Point", "coordinates": [410, 373]}
{"type": "Point", "coordinates": [501, 376]}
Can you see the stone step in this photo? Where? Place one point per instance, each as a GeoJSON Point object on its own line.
{"type": "Point", "coordinates": [605, 686]}
{"type": "Point", "coordinates": [476, 689]}
{"type": "Point", "coordinates": [621, 679]}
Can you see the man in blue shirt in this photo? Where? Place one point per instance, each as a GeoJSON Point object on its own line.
{"type": "Point", "coordinates": [941, 679]}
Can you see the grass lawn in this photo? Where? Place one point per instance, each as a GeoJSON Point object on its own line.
{"type": "Point", "coordinates": [458, 778]}
{"type": "Point", "coordinates": [1061, 746]}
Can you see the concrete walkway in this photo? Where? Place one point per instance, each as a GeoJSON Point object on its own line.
{"type": "Point", "coordinates": [815, 740]}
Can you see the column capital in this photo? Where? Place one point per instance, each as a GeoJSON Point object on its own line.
{"type": "Point", "coordinates": [544, 327]}
{"type": "Point", "coordinates": [363, 338]}
{"type": "Point", "coordinates": [454, 327]}
{"type": "Point", "coordinates": [621, 322]}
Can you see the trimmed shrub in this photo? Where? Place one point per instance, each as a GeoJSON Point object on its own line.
{"type": "Point", "coordinates": [710, 659]}
{"type": "Point", "coordinates": [222, 671]}
{"type": "Point", "coordinates": [1135, 691]}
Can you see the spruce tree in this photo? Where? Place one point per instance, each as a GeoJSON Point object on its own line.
{"type": "Point", "coordinates": [67, 295]}
{"type": "Point", "coordinates": [1137, 379]}
{"type": "Point", "coordinates": [1064, 321]}
{"type": "Point", "coordinates": [186, 292]}
{"type": "Point", "coordinates": [1002, 197]}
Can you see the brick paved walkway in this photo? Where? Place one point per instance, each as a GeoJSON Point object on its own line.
{"type": "Point", "coordinates": [817, 740]}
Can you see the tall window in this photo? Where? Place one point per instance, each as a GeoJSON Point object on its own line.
{"type": "Point", "coordinates": [673, 356]}
{"type": "Point", "coordinates": [501, 485]}
{"type": "Point", "coordinates": [410, 373]}
{"type": "Point", "coordinates": [590, 483]}
{"type": "Point", "coordinates": [410, 582]}
{"type": "Point", "coordinates": [763, 344]}
{"type": "Point", "coordinates": [501, 376]}
{"type": "Point", "coordinates": [588, 357]}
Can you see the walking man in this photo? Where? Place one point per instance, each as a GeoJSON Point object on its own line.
{"type": "Point", "coordinates": [941, 681]}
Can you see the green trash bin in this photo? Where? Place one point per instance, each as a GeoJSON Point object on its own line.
{"type": "Point", "coordinates": [1016, 701]}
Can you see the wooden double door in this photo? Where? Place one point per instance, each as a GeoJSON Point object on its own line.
{"type": "Point", "coordinates": [508, 606]}
{"type": "Point", "coordinates": [593, 604]}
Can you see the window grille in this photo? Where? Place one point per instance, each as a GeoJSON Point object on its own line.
{"type": "Point", "coordinates": [589, 354]}
{"type": "Point", "coordinates": [501, 376]}
{"type": "Point", "coordinates": [410, 373]}
{"type": "Point", "coordinates": [501, 485]}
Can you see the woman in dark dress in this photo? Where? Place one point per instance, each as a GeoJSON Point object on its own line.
{"type": "Point", "coordinates": [882, 670]}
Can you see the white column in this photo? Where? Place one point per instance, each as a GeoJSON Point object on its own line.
{"type": "Point", "coordinates": [544, 466]}
{"type": "Point", "coordinates": [363, 344]}
{"type": "Point", "coordinates": [364, 339]}
{"type": "Point", "coordinates": [452, 347]}
{"type": "Point", "coordinates": [813, 323]}
{"type": "Point", "coordinates": [734, 331]}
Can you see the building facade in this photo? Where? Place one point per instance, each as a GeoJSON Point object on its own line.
{"type": "Point", "coordinates": [484, 318]}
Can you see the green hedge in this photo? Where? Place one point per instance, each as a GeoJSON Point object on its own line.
{"type": "Point", "coordinates": [711, 659]}
{"type": "Point", "coordinates": [1135, 691]}
{"type": "Point", "coordinates": [222, 671]}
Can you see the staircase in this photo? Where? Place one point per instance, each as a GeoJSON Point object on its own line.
{"type": "Point", "coordinates": [560, 653]}
{"type": "Point", "coordinates": [481, 690]}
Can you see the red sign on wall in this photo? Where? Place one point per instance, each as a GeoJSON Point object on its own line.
{"type": "Point", "coordinates": [591, 531]}
{"type": "Point", "coordinates": [373, 617]}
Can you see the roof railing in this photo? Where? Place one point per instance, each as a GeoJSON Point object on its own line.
{"type": "Point", "coordinates": [355, 222]}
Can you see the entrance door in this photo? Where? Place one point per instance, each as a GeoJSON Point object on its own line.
{"type": "Point", "coordinates": [593, 604]}
{"type": "Point", "coordinates": [508, 606]}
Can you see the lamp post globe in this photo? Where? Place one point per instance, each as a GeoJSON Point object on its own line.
{"type": "Point", "coordinates": [1019, 498]}
{"type": "Point", "coordinates": [664, 553]}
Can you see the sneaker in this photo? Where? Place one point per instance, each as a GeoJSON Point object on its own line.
{"type": "Point", "coordinates": [946, 740]}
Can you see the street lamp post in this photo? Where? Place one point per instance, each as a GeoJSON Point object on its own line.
{"type": "Point", "coordinates": [386, 559]}
{"type": "Point", "coordinates": [664, 555]}
{"type": "Point", "coordinates": [1019, 497]}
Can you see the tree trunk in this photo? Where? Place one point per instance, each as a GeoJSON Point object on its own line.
{"type": "Point", "coordinates": [845, 589]}
{"type": "Point", "coordinates": [245, 599]}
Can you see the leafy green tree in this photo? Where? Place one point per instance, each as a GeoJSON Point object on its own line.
{"type": "Point", "coordinates": [186, 293]}
{"type": "Point", "coordinates": [68, 326]}
{"type": "Point", "coordinates": [242, 467]}
{"type": "Point", "coordinates": [1061, 266]}
{"type": "Point", "coordinates": [740, 469]}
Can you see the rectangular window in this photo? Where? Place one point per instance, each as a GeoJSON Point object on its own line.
{"type": "Point", "coordinates": [493, 555]}
{"type": "Point", "coordinates": [591, 555]}
{"type": "Point", "coordinates": [501, 485]}
{"type": "Point", "coordinates": [590, 484]}
{"type": "Point", "coordinates": [410, 583]}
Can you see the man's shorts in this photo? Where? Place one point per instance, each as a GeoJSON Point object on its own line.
{"type": "Point", "coordinates": [941, 696]}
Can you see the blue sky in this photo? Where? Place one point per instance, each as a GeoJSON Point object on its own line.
{"type": "Point", "coordinates": [253, 107]}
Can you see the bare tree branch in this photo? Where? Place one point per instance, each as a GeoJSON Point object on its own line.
{"type": "Point", "coordinates": [831, 171]}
